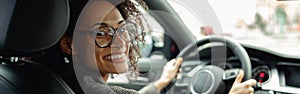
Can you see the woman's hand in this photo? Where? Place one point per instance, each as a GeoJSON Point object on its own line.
{"type": "Point", "coordinates": [242, 88]}
{"type": "Point", "coordinates": [171, 69]}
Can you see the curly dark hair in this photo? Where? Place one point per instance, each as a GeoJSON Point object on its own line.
{"type": "Point", "coordinates": [127, 9]}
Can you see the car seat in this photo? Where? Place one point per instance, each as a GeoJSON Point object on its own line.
{"type": "Point", "coordinates": [28, 27]}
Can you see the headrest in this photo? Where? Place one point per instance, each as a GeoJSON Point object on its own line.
{"type": "Point", "coordinates": [28, 26]}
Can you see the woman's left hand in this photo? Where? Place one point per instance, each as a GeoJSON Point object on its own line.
{"type": "Point", "coordinates": [170, 71]}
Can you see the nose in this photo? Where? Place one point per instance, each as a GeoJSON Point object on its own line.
{"type": "Point", "coordinates": [118, 42]}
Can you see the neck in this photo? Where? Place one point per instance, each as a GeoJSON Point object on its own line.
{"type": "Point", "coordinates": [105, 76]}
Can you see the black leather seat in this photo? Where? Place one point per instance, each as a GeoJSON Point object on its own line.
{"type": "Point", "coordinates": [28, 27]}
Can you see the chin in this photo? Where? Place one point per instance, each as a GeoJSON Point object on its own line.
{"type": "Point", "coordinates": [120, 72]}
{"type": "Point", "coordinates": [120, 69]}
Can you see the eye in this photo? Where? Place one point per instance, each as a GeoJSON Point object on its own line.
{"type": "Point", "coordinates": [104, 31]}
{"type": "Point", "coordinates": [100, 33]}
{"type": "Point", "coordinates": [121, 30]}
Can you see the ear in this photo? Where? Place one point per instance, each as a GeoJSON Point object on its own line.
{"type": "Point", "coordinates": [66, 44]}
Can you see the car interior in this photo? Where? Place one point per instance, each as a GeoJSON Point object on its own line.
{"type": "Point", "coordinates": [34, 27]}
{"type": "Point", "coordinates": [27, 28]}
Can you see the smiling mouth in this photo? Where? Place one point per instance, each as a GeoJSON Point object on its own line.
{"type": "Point", "coordinates": [116, 58]}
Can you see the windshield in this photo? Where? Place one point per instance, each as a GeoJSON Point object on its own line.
{"type": "Point", "coordinates": [271, 24]}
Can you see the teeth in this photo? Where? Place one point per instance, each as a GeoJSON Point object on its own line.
{"type": "Point", "coordinates": [123, 49]}
{"type": "Point", "coordinates": [115, 56]}
{"type": "Point", "coordinates": [108, 57]}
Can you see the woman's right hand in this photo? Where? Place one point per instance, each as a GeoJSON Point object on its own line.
{"type": "Point", "coordinates": [170, 71]}
{"type": "Point", "coordinates": [242, 88]}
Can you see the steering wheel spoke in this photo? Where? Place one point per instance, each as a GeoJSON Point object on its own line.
{"type": "Point", "coordinates": [230, 74]}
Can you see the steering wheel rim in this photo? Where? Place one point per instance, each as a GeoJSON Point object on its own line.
{"type": "Point", "coordinates": [236, 48]}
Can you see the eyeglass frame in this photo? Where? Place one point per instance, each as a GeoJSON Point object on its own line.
{"type": "Point", "coordinates": [115, 33]}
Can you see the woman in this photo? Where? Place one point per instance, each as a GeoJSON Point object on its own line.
{"type": "Point", "coordinates": [102, 30]}
{"type": "Point", "coordinates": [105, 41]}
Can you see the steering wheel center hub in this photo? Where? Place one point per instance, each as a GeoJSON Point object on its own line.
{"type": "Point", "coordinates": [207, 80]}
{"type": "Point", "coordinates": [203, 82]}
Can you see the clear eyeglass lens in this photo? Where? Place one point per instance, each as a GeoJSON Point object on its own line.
{"type": "Point", "coordinates": [104, 35]}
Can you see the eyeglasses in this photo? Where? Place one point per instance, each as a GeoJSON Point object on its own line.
{"type": "Point", "coordinates": [105, 35]}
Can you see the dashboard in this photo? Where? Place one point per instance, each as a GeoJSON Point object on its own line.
{"type": "Point", "coordinates": [276, 73]}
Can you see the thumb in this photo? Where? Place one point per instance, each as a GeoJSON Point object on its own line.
{"type": "Point", "coordinates": [239, 78]}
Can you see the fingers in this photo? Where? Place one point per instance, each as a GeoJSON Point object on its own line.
{"type": "Point", "coordinates": [251, 90]}
{"type": "Point", "coordinates": [242, 88]}
{"type": "Point", "coordinates": [179, 71]}
{"type": "Point", "coordinates": [249, 83]}
{"type": "Point", "coordinates": [178, 62]}
{"type": "Point", "coordinates": [239, 78]}
{"type": "Point", "coordinates": [171, 62]}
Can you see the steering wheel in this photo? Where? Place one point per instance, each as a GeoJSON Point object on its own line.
{"type": "Point", "coordinates": [210, 78]}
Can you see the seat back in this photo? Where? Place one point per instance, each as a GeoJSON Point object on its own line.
{"type": "Point", "coordinates": [28, 27]}
{"type": "Point", "coordinates": [31, 25]}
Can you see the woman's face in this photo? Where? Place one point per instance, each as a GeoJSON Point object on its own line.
{"type": "Point", "coordinates": [114, 58]}
{"type": "Point", "coordinates": [110, 59]}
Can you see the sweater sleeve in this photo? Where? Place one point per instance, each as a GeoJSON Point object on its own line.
{"type": "Point", "coordinates": [149, 89]}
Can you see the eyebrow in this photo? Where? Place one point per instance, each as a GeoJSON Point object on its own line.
{"type": "Point", "coordinates": [97, 24]}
